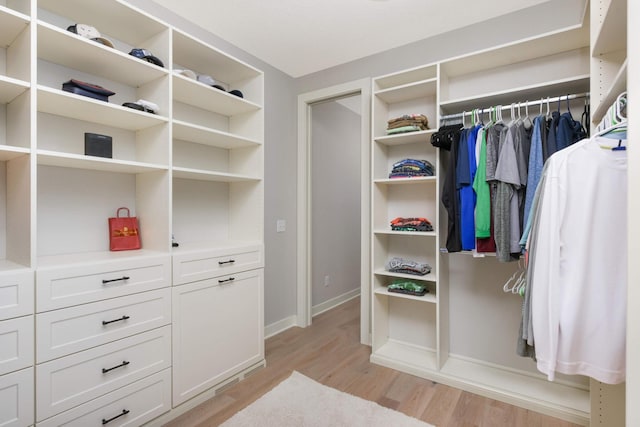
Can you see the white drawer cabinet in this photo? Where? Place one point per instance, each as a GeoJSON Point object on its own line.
{"type": "Point", "coordinates": [132, 405]}
{"type": "Point", "coordinates": [16, 344]}
{"type": "Point", "coordinates": [16, 293]}
{"type": "Point", "coordinates": [61, 332]}
{"type": "Point", "coordinates": [72, 380]}
{"type": "Point", "coordinates": [218, 331]}
{"type": "Point", "coordinates": [16, 398]}
{"type": "Point", "coordinates": [191, 266]}
{"type": "Point", "coordinates": [59, 287]}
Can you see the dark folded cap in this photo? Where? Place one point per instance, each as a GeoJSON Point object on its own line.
{"type": "Point", "coordinates": [144, 54]}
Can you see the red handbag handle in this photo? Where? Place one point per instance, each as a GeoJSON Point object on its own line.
{"type": "Point", "coordinates": [118, 212]}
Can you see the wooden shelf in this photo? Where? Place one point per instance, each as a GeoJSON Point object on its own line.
{"type": "Point", "coordinates": [191, 92]}
{"type": "Point", "coordinates": [403, 78]}
{"type": "Point", "coordinates": [406, 138]}
{"type": "Point", "coordinates": [110, 18]}
{"type": "Point", "coordinates": [535, 47]}
{"type": "Point", "coordinates": [202, 175]}
{"type": "Point", "coordinates": [11, 88]}
{"type": "Point", "coordinates": [406, 233]}
{"type": "Point", "coordinates": [426, 298]}
{"type": "Point", "coordinates": [97, 257]}
{"type": "Point", "coordinates": [79, 161]}
{"type": "Point", "coordinates": [66, 104]}
{"type": "Point", "coordinates": [208, 136]}
{"type": "Point", "coordinates": [409, 91]}
{"type": "Point", "coordinates": [63, 47]}
{"type": "Point", "coordinates": [9, 152]}
{"type": "Point", "coordinates": [612, 36]}
{"type": "Point", "coordinates": [407, 181]}
{"type": "Point", "coordinates": [577, 84]}
{"type": "Point", "coordinates": [429, 277]}
{"type": "Point", "coordinates": [12, 23]}
{"type": "Point", "coordinates": [6, 265]}
{"type": "Point", "coordinates": [205, 59]}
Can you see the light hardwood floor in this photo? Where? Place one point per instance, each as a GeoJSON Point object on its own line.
{"type": "Point", "coordinates": [329, 352]}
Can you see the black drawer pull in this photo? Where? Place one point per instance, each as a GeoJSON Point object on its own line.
{"type": "Point", "coordinates": [231, 261]}
{"type": "Point", "coordinates": [104, 282]}
{"type": "Point", "coordinates": [124, 412]}
{"type": "Point", "coordinates": [106, 322]}
{"type": "Point", "coordinates": [124, 363]}
{"type": "Point", "coordinates": [230, 279]}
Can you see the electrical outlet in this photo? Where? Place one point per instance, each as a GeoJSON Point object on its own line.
{"type": "Point", "coordinates": [281, 226]}
{"type": "Point", "coordinates": [326, 280]}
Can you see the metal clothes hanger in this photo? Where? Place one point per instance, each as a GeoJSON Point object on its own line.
{"type": "Point", "coordinates": [541, 102]}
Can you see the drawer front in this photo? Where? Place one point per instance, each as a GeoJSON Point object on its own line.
{"type": "Point", "coordinates": [132, 405]}
{"type": "Point", "coordinates": [66, 331]}
{"type": "Point", "coordinates": [70, 381]}
{"type": "Point", "coordinates": [194, 266]}
{"type": "Point", "coordinates": [218, 331]}
{"type": "Point", "coordinates": [16, 344]}
{"type": "Point", "coordinates": [16, 294]}
{"type": "Point", "coordinates": [66, 286]}
{"type": "Point", "coordinates": [16, 399]}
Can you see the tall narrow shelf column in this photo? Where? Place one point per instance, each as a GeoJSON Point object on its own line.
{"type": "Point", "coordinates": [608, 81]}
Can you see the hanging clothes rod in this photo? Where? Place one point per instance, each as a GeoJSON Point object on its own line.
{"type": "Point", "coordinates": [521, 104]}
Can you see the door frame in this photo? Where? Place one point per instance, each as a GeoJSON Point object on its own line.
{"type": "Point", "coordinates": [305, 100]}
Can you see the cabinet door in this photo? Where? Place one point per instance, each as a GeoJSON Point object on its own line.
{"type": "Point", "coordinates": [218, 331]}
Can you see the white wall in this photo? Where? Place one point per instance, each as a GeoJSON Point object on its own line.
{"type": "Point", "coordinates": [335, 199]}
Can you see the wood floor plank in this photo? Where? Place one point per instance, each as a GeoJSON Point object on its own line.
{"type": "Point", "coordinates": [329, 352]}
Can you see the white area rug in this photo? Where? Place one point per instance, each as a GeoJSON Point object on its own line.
{"type": "Point", "coordinates": [299, 401]}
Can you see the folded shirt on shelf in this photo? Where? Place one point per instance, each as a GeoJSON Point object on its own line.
{"type": "Point", "coordinates": [411, 224]}
{"type": "Point", "coordinates": [407, 266]}
{"type": "Point", "coordinates": [407, 287]}
{"type": "Point", "coordinates": [411, 167]}
{"type": "Point", "coordinates": [407, 123]}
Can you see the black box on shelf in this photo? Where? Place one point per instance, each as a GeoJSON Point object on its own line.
{"type": "Point", "coordinates": [97, 145]}
{"type": "Point", "coordinates": [87, 89]}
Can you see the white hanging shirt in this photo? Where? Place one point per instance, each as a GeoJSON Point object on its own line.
{"type": "Point", "coordinates": [579, 292]}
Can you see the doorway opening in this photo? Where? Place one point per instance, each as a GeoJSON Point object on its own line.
{"type": "Point", "coordinates": [333, 201]}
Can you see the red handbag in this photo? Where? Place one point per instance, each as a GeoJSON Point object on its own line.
{"type": "Point", "coordinates": [124, 233]}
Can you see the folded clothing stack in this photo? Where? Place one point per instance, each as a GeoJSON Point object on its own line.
{"type": "Point", "coordinates": [407, 287]}
{"type": "Point", "coordinates": [407, 123]}
{"type": "Point", "coordinates": [407, 266]}
{"type": "Point", "coordinates": [411, 224]}
{"type": "Point", "coordinates": [408, 168]}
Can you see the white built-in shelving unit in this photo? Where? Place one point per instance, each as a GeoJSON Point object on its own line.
{"type": "Point", "coordinates": [100, 335]}
{"type": "Point", "coordinates": [414, 334]}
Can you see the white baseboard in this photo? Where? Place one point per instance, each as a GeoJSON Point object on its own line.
{"type": "Point", "coordinates": [280, 326]}
{"type": "Point", "coordinates": [291, 321]}
{"type": "Point", "coordinates": [334, 302]}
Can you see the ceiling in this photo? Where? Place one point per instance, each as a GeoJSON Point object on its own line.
{"type": "Point", "coordinates": [300, 37]}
